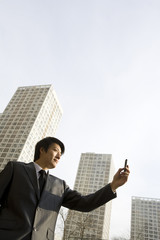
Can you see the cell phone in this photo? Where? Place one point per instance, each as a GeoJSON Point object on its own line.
{"type": "Point", "coordinates": [125, 164]}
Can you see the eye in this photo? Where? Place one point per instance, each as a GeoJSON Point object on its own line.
{"type": "Point", "coordinates": [56, 150]}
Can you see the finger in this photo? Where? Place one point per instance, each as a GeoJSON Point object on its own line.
{"type": "Point", "coordinates": [120, 170]}
{"type": "Point", "coordinates": [125, 173]}
{"type": "Point", "coordinates": [127, 169]}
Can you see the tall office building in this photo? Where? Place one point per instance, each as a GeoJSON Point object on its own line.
{"type": "Point", "coordinates": [32, 113]}
{"type": "Point", "coordinates": [145, 219]}
{"type": "Point", "coordinates": [94, 171]}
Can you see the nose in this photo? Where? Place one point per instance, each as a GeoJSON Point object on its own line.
{"type": "Point", "coordinates": [58, 155]}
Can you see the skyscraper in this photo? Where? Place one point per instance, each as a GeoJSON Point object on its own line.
{"type": "Point", "coordinates": [94, 171]}
{"type": "Point", "coordinates": [145, 219]}
{"type": "Point", "coordinates": [33, 113]}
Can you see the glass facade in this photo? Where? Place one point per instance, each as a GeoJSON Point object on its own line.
{"type": "Point", "coordinates": [145, 219]}
{"type": "Point", "coordinates": [94, 171]}
{"type": "Point", "coordinates": [32, 113]}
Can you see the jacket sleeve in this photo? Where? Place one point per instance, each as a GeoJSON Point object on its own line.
{"type": "Point", "coordinates": [5, 179]}
{"type": "Point", "coordinates": [75, 201]}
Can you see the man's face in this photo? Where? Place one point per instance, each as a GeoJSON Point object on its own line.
{"type": "Point", "coordinates": [52, 156]}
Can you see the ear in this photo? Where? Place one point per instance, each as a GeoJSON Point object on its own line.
{"type": "Point", "coordinates": [41, 150]}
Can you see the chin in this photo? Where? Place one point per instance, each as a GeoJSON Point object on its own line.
{"type": "Point", "coordinates": [54, 165]}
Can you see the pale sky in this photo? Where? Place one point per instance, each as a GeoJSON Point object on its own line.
{"type": "Point", "coordinates": [102, 58]}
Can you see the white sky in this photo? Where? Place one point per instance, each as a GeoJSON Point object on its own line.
{"type": "Point", "coordinates": [103, 59]}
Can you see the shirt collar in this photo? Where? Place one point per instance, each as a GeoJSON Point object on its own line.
{"type": "Point", "coordinates": [38, 168]}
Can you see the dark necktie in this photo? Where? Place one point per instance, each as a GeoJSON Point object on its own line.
{"type": "Point", "coordinates": [42, 179]}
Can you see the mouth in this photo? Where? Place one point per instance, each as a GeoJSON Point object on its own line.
{"type": "Point", "coordinates": [56, 160]}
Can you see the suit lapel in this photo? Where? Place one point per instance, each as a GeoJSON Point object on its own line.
{"type": "Point", "coordinates": [31, 171]}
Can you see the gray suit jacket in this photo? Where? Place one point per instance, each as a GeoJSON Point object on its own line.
{"type": "Point", "coordinates": [25, 215]}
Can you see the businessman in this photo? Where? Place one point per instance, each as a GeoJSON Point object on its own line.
{"type": "Point", "coordinates": [30, 198]}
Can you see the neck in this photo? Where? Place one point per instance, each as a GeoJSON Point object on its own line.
{"type": "Point", "coordinates": [41, 164]}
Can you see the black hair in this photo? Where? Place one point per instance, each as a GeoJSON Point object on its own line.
{"type": "Point", "coordinates": [45, 143]}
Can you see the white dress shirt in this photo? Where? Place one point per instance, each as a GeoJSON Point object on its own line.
{"type": "Point", "coordinates": [38, 168]}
